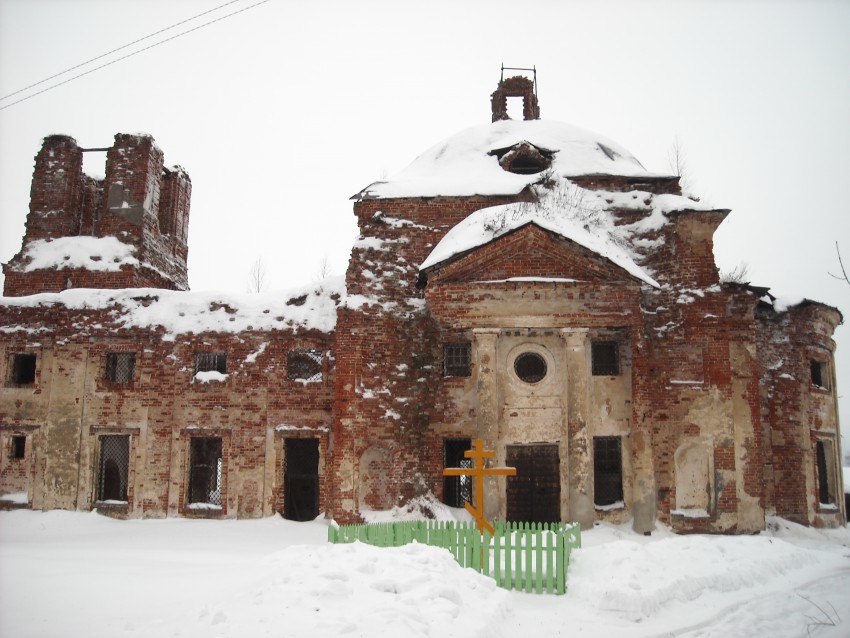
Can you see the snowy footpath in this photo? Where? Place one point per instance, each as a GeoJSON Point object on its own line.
{"type": "Point", "coordinates": [75, 574]}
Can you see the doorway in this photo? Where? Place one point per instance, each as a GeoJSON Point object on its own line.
{"type": "Point", "coordinates": [301, 479]}
{"type": "Point", "coordinates": [534, 494]}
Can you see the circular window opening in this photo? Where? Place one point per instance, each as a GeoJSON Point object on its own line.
{"type": "Point", "coordinates": [530, 367]}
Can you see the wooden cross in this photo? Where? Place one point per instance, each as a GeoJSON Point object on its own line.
{"type": "Point", "coordinates": [478, 471]}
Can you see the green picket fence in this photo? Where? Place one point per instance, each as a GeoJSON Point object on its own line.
{"type": "Point", "coordinates": [531, 557]}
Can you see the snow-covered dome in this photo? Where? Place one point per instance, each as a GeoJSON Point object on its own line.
{"type": "Point", "coordinates": [473, 162]}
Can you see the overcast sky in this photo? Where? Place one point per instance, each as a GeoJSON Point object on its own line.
{"type": "Point", "coordinates": [282, 112]}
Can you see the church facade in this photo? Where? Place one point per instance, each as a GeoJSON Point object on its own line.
{"type": "Point", "coordinates": [527, 283]}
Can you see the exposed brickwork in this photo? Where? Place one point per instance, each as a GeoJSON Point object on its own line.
{"type": "Point", "coordinates": [517, 86]}
{"type": "Point", "coordinates": [139, 202]}
{"type": "Point", "coordinates": [253, 410]}
{"type": "Point", "coordinates": [712, 397]}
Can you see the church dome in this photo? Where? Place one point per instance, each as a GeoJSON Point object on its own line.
{"type": "Point", "coordinates": [503, 158]}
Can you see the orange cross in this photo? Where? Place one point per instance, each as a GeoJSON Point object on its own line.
{"type": "Point", "coordinates": [478, 453]}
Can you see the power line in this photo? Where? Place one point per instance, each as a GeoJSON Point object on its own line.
{"type": "Point", "coordinates": [147, 37]}
{"type": "Point", "coordinates": [129, 55]}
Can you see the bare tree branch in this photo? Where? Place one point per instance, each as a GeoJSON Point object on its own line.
{"type": "Point", "coordinates": [738, 274]}
{"type": "Point", "coordinates": [678, 161]}
{"type": "Point", "coordinates": [843, 275]}
{"type": "Point", "coordinates": [257, 276]}
{"type": "Point", "coordinates": [324, 270]}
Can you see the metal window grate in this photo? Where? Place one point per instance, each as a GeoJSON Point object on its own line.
{"type": "Point", "coordinates": [530, 367]}
{"type": "Point", "coordinates": [114, 468]}
{"type": "Point", "coordinates": [457, 359]}
{"type": "Point", "coordinates": [607, 470]}
{"type": "Point", "coordinates": [205, 471]}
{"type": "Point", "coordinates": [120, 367]}
{"type": "Point", "coordinates": [304, 365]}
{"type": "Point", "coordinates": [457, 490]}
{"type": "Point", "coordinates": [211, 362]}
{"type": "Point", "coordinates": [605, 358]}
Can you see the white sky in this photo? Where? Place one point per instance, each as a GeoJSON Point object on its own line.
{"type": "Point", "coordinates": [282, 112]}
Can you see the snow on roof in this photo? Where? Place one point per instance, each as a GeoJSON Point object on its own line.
{"type": "Point", "coordinates": [784, 300]}
{"type": "Point", "coordinates": [89, 253]}
{"type": "Point", "coordinates": [310, 308]}
{"type": "Point", "coordinates": [564, 211]}
{"type": "Point", "coordinates": [464, 164]}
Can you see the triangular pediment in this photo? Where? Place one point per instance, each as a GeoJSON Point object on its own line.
{"type": "Point", "coordinates": [528, 253]}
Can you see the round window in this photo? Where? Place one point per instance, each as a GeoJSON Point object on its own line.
{"type": "Point", "coordinates": [530, 367]}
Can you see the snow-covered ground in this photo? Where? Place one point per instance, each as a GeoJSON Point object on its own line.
{"type": "Point", "coordinates": [81, 574]}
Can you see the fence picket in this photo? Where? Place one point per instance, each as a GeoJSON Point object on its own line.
{"type": "Point", "coordinates": [497, 555]}
{"type": "Point", "coordinates": [516, 555]}
{"type": "Point", "coordinates": [528, 543]}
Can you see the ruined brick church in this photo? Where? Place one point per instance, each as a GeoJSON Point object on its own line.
{"type": "Point", "coordinates": [525, 282]}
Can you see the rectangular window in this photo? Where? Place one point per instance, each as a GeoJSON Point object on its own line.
{"type": "Point", "coordinates": [457, 359]}
{"type": "Point", "coordinates": [607, 470]}
{"type": "Point", "coordinates": [22, 370]}
{"type": "Point", "coordinates": [114, 468]}
{"type": "Point", "coordinates": [211, 362]}
{"type": "Point", "coordinates": [826, 481]}
{"type": "Point", "coordinates": [18, 446]}
{"type": "Point", "coordinates": [605, 358]}
{"type": "Point", "coordinates": [820, 374]}
{"type": "Point", "coordinates": [304, 365]}
{"type": "Point", "coordinates": [457, 490]}
{"type": "Point", "coordinates": [205, 465]}
{"type": "Point", "coordinates": [120, 367]}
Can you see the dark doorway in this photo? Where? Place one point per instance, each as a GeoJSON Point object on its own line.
{"type": "Point", "coordinates": [205, 470]}
{"type": "Point", "coordinates": [534, 494]}
{"type": "Point", "coordinates": [114, 468]}
{"type": "Point", "coordinates": [457, 490]}
{"type": "Point", "coordinates": [301, 479]}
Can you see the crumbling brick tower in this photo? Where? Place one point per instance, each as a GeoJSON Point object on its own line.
{"type": "Point", "coordinates": [137, 218]}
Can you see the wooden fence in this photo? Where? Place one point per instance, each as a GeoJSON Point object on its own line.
{"type": "Point", "coordinates": [531, 557]}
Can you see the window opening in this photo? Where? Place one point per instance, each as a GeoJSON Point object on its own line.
{"type": "Point", "coordinates": [205, 465]}
{"type": "Point", "coordinates": [516, 107]}
{"type": "Point", "coordinates": [23, 370]}
{"type": "Point", "coordinates": [457, 490]}
{"type": "Point", "coordinates": [114, 468]}
{"type": "Point", "coordinates": [120, 367]}
{"type": "Point", "coordinates": [457, 359]}
{"type": "Point", "coordinates": [527, 165]}
{"type": "Point", "coordinates": [605, 358]}
{"type": "Point", "coordinates": [607, 470]}
{"type": "Point", "coordinates": [825, 492]}
{"type": "Point", "coordinates": [304, 365]}
{"type": "Point", "coordinates": [18, 446]}
{"type": "Point", "coordinates": [819, 374]}
{"type": "Point", "coordinates": [530, 367]}
{"type": "Point", "coordinates": [211, 362]}
{"type": "Point", "coordinates": [301, 479]}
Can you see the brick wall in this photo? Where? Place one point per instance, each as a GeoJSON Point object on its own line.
{"type": "Point", "coordinates": [71, 404]}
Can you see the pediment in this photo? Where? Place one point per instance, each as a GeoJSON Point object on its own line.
{"type": "Point", "coordinates": [528, 253]}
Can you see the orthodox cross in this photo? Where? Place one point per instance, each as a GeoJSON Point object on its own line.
{"type": "Point", "coordinates": [478, 472]}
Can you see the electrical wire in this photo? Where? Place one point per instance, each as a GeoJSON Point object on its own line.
{"type": "Point", "coordinates": [147, 37]}
{"type": "Point", "coordinates": [129, 55]}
